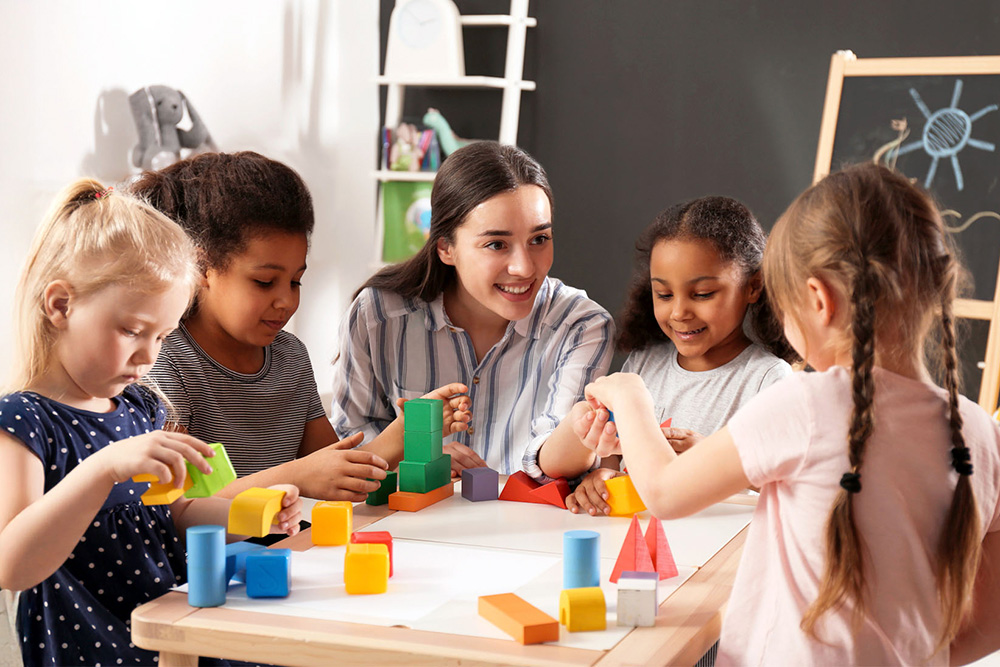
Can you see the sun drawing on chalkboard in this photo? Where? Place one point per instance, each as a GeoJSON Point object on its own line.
{"type": "Point", "coordinates": [947, 132]}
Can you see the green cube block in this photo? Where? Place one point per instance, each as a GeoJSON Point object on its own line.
{"type": "Point", "coordinates": [422, 477]}
{"type": "Point", "coordinates": [381, 495]}
{"type": "Point", "coordinates": [208, 485]}
{"type": "Point", "coordinates": [423, 414]}
{"type": "Point", "coordinates": [421, 446]}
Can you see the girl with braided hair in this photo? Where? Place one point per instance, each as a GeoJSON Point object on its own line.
{"type": "Point", "coordinates": [866, 541]}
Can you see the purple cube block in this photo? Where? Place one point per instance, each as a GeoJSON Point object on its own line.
{"type": "Point", "coordinates": [480, 484]}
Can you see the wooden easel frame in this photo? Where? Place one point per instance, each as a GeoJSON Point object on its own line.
{"type": "Point", "coordinates": [844, 64]}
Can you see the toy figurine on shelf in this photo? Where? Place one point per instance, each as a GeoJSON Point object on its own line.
{"type": "Point", "coordinates": [450, 142]}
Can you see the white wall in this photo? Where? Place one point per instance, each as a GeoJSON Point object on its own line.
{"type": "Point", "coordinates": [291, 79]}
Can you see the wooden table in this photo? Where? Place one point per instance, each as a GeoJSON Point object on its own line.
{"type": "Point", "coordinates": [688, 624]}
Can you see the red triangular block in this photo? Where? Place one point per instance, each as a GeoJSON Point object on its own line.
{"type": "Point", "coordinates": [666, 424]}
{"type": "Point", "coordinates": [659, 550]}
{"type": "Point", "coordinates": [519, 487]}
{"type": "Point", "coordinates": [553, 493]}
{"type": "Point", "coordinates": [634, 556]}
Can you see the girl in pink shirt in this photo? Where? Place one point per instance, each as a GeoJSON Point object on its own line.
{"type": "Point", "coordinates": [866, 542]}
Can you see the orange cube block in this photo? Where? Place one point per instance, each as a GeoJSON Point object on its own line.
{"type": "Point", "coordinates": [366, 569]}
{"type": "Point", "coordinates": [523, 621]}
{"type": "Point", "coordinates": [332, 522]}
{"type": "Point", "coordinates": [161, 493]}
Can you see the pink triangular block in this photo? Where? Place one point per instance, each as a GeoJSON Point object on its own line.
{"type": "Point", "coordinates": [634, 556]}
{"type": "Point", "coordinates": [553, 493]}
{"type": "Point", "coordinates": [659, 550]}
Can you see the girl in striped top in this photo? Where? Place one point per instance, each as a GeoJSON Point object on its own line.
{"type": "Point", "coordinates": [476, 305]}
{"type": "Point", "coordinates": [231, 372]}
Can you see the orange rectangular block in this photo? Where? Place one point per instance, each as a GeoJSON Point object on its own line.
{"type": "Point", "coordinates": [523, 621]}
{"type": "Point", "coordinates": [412, 502]}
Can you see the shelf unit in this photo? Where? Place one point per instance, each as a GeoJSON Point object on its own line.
{"type": "Point", "coordinates": [512, 83]}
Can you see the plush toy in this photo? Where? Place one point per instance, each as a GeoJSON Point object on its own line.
{"type": "Point", "coordinates": [449, 141]}
{"type": "Point", "coordinates": [156, 111]}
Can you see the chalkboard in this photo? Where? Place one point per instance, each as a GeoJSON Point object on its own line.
{"type": "Point", "coordinates": [938, 121]}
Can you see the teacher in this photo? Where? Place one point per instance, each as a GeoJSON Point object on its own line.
{"type": "Point", "coordinates": [476, 305]}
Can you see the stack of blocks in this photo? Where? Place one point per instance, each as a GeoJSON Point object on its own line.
{"type": "Point", "coordinates": [196, 483]}
{"type": "Point", "coordinates": [581, 603]}
{"type": "Point", "coordinates": [424, 472]}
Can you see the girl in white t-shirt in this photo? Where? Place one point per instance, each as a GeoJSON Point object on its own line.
{"type": "Point", "coordinates": [865, 544]}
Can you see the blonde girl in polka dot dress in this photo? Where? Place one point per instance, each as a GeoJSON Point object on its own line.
{"type": "Point", "coordinates": [107, 279]}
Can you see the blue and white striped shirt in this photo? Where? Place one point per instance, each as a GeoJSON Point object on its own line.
{"type": "Point", "coordinates": [391, 347]}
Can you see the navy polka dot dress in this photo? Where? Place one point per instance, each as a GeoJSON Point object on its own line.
{"type": "Point", "coordinates": [129, 555]}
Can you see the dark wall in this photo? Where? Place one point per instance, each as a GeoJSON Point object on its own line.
{"type": "Point", "coordinates": [641, 104]}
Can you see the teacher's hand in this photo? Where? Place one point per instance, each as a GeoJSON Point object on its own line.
{"type": "Point", "coordinates": [462, 457]}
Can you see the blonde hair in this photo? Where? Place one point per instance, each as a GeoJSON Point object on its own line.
{"type": "Point", "coordinates": [93, 238]}
{"type": "Point", "coordinates": [880, 241]}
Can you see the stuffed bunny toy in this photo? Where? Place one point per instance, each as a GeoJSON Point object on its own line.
{"type": "Point", "coordinates": [157, 110]}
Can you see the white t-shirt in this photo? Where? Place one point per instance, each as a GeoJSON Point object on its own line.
{"type": "Point", "coordinates": [703, 401]}
{"type": "Point", "coordinates": [792, 441]}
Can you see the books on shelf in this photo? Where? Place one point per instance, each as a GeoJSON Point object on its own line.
{"type": "Point", "coordinates": [408, 149]}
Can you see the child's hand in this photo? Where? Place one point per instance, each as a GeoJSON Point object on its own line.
{"type": "Point", "coordinates": [291, 510]}
{"type": "Point", "coordinates": [610, 390]}
{"type": "Point", "coordinates": [592, 494]}
{"type": "Point", "coordinates": [456, 406]}
{"type": "Point", "coordinates": [159, 453]}
{"type": "Point", "coordinates": [341, 472]}
{"type": "Point", "coordinates": [461, 458]}
{"type": "Point", "coordinates": [681, 439]}
{"type": "Point", "coordinates": [596, 432]}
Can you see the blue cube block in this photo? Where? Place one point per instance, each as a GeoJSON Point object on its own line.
{"type": "Point", "coordinates": [269, 573]}
{"type": "Point", "coordinates": [236, 559]}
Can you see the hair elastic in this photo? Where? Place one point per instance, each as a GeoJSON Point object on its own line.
{"type": "Point", "coordinates": [101, 194]}
{"type": "Point", "coordinates": [851, 482]}
{"type": "Point", "coordinates": [961, 460]}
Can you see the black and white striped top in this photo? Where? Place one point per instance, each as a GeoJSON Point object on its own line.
{"type": "Point", "coordinates": [391, 347]}
{"type": "Point", "coordinates": [259, 417]}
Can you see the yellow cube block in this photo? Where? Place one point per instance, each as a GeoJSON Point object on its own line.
{"type": "Point", "coordinates": [332, 523]}
{"type": "Point", "coordinates": [622, 496]}
{"type": "Point", "coordinates": [162, 494]}
{"type": "Point", "coordinates": [366, 569]}
{"type": "Point", "coordinates": [253, 511]}
{"type": "Point", "coordinates": [583, 609]}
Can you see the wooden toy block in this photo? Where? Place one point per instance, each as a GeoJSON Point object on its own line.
{"type": "Point", "coordinates": [375, 537]}
{"type": "Point", "coordinates": [480, 484]}
{"type": "Point", "coordinates": [161, 493]}
{"type": "Point", "coordinates": [208, 485]}
{"type": "Point", "coordinates": [413, 502]}
{"type": "Point", "coordinates": [206, 565]}
{"type": "Point", "coordinates": [637, 603]}
{"type": "Point", "coordinates": [269, 573]}
{"type": "Point", "coordinates": [253, 511]}
{"type": "Point", "coordinates": [422, 477]}
{"type": "Point", "coordinates": [666, 423]}
{"type": "Point", "coordinates": [583, 609]}
{"type": "Point", "coordinates": [523, 621]}
{"type": "Point", "coordinates": [366, 569]}
{"type": "Point", "coordinates": [622, 497]}
{"type": "Point", "coordinates": [553, 493]}
{"type": "Point", "coordinates": [634, 555]}
{"type": "Point", "coordinates": [581, 559]}
{"type": "Point", "coordinates": [421, 446]}
{"type": "Point", "coordinates": [519, 487]}
{"type": "Point", "coordinates": [659, 550]}
{"type": "Point", "coordinates": [386, 487]}
{"type": "Point", "coordinates": [236, 559]}
{"type": "Point", "coordinates": [332, 522]}
{"type": "Point", "coordinates": [423, 414]}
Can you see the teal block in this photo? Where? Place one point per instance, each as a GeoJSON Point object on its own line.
{"type": "Point", "coordinates": [422, 446]}
{"type": "Point", "coordinates": [423, 414]}
{"type": "Point", "coordinates": [208, 485]}
{"type": "Point", "coordinates": [422, 477]}
{"type": "Point", "coordinates": [381, 495]}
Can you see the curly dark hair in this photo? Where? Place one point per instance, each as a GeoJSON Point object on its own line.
{"type": "Point", "coordinates": [223, 200]}
{"type": "Point", "coordinates": [736, 235]}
